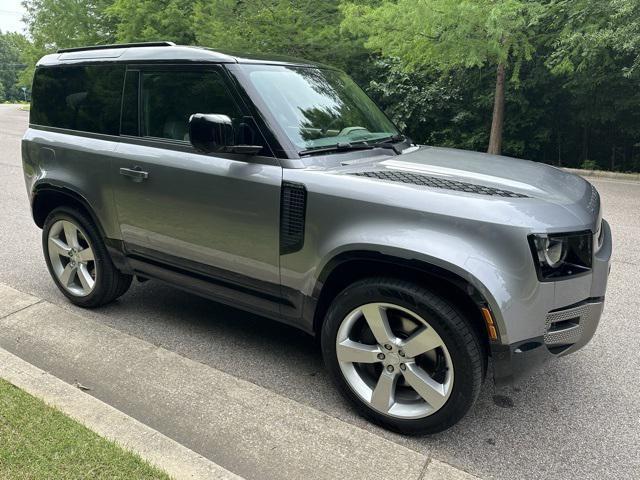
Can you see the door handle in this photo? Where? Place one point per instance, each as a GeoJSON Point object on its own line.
{"type": "Point", "coordinates": [135, 173]}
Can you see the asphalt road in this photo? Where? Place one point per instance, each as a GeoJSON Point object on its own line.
{"type": "Point", "coordinates": [578, 418]}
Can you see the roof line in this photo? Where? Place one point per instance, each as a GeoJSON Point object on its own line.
{"type": "Point", "coordinates": [117, 45]}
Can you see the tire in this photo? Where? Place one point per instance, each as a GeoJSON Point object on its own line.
{"type": "Point", "coordinates": [80, 265]}
{"type": "Point", "coordinates": [383, 390]}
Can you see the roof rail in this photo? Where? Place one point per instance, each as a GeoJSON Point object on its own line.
{"type": "Point", "coordinates": [117, 45]}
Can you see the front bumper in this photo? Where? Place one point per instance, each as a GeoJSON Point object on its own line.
{"type": "Point", "coordinates": [566, 329]}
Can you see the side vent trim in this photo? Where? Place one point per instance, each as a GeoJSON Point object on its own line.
{"type": "Point", "coordinates": [293, 208]}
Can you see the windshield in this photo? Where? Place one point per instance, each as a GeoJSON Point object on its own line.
{"type": "Point", "coordinates": [319, 108]}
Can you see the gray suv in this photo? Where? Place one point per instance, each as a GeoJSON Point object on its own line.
{"type": "Point", "coordinates": [278, 187]}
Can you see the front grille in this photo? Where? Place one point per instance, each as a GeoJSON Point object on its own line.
{"type": "Point", "coordinates": [437, 182]}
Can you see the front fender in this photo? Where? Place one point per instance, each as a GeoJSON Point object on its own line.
{"type": "Point", "coordinates": [493, 257]}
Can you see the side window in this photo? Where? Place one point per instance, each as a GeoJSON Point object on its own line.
{"type": "Point", "coordinates": [169, 98]}
{"type": "Point", "coordinates": [85, 98]}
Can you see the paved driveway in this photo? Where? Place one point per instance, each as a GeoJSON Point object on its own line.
{"type": "Point", "coordinates": [579, 418]}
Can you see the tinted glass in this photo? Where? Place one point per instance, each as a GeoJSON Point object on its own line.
{"type": "Point", "coordinates": [130, 104]}
{"type": "Point", "coordinates": [169, 98]}
{"type": "Point", "coordinates": [319, 107]}
{"type": "Point", "coordinates": [85, 98]}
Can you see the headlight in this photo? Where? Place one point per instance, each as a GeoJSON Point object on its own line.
{"type": "Point", "coordinates": [561, 255]}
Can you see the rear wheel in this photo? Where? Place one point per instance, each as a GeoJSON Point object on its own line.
{"type": "Point", "coordinates": [78, 260]}
{"type": "Point", "coordinates": [406, 358]}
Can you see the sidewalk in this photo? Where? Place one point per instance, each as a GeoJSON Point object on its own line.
{"type": "Point", "coordinates": [189, 417]}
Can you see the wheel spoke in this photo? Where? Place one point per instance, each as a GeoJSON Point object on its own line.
{"type": "Point", "coordinates": [430, 390]}
{"type": "Point", "coordinates": [421, 341]}
{"type": "Point", "coordinates": [58, 247]}
{"type": "Point", "coordinates": [85, 255]}
{"type": "Point", "coordinates": [383, 396]}
{"type": "Point", "coordinates": [85, 278]}
{"type": "Point", "coordinates": [71, 234]}
{"type": "Point", "coordinates": [376, 317]}
{"type": "Point", "coordinates": [355, 352]}
{"type": "Point", "coordinates": [68, 274]}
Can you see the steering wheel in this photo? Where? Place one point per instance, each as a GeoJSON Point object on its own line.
{"type": "Point", "coordinates": [345, 132]}
{"type": "Point", "coordinates": [325, 129]}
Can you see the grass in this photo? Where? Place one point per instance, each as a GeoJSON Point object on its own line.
{"type": "Point", "coordinates": [40, 442]}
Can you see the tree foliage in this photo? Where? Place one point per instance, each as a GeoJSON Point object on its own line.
{"type": "Point", "coordinates": [299, 28]}
{"type": "Point", "coordinates": [148, 20]}
{"type": "Point", "coordinates": [11, 47]}
{"type": "Point", "coordinates": [446, 34]}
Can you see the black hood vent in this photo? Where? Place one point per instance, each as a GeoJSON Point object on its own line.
{"type": "Point", "coordinates": [437, 182]}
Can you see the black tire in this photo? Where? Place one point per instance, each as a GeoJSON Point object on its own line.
{"type": "Point", "coordinates": [110, 283]}
{"type": "Point", "coordinates": [454, 329]}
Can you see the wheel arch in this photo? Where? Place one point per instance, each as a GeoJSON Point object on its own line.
{"type": "Point", "coordinates": [47, 197]}
{"type": "Point", "coordinates": [348, 267]}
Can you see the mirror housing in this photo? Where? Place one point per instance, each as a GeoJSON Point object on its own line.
{"type": "Point", "coordinates": [209, 132]}
{"type": "Point", "coordinates": [214, 133]}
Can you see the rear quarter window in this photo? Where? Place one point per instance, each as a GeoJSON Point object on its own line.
{"type": "Point", "coordinates": [85, 98]}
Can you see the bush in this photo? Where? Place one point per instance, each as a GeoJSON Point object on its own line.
{"type": "Point", "coordinates": [589, 165]}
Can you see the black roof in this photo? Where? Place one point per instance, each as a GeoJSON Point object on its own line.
{"type": "Point", "coordinates": [161, 52]}
{"type": "Point", "coordinates": [117, 45]}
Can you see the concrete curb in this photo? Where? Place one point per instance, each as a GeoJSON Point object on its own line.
{"type": "Point", "coordinates": [256, 432]}
{"type": "Point", "coordinates": [633, 177]}
{"type": "Point", "coordinates": [176, 460]}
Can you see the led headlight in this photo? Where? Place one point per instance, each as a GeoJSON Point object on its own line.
{"type": "Point", "coordinates": [562, 255]}
{"type": "Point", "coordinates": [552, 251]}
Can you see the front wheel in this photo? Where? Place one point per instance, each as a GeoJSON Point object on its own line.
{"type": "Point", "coordinates": [405, 358]}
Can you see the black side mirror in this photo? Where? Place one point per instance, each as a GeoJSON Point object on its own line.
{"type": "Point", "coordinates": [209, 132]}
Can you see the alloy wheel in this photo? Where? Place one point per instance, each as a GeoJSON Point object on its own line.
{"type": "Point", "coordinates": [72, 258]}
{"type": "Point", "coordinates": [394, 361]}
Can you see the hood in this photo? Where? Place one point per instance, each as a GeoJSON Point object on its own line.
{"type": "Point", "coordinates": [523, 178]}
{"type": "Point", "coordinates": [529, 187]}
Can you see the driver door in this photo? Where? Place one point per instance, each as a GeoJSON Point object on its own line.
{"type": "Point", "coordinates": [209, 221]}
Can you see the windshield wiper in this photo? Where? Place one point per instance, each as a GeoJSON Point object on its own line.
{"type": "Point", "coordinates": [338, 147]}
{"type": "Point", "coordinates": [390, 142]}
{"type": "Point", "coordinates": [398, 137]}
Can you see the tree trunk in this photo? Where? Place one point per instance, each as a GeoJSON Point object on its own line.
{"type": "Point", "coordinates": [585, 143]}
{"type": "Point", "coordinates": [613, 158]}
{"type": "Point", "coordinates": [497, 123]}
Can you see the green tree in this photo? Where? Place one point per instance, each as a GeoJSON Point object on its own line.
{"type": "Point", "coordinates": [11, 47]}
{"type": "Point", "coordinates": [592, 32]}
{"type": "Point", "coordinates": [596, 55]}
{"type": "Point", "coordinates": [301, 28]}
{"type": "Point", "coordinates": [449, 34]}
{"type": "Point", "coordinates": [147, 20]}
